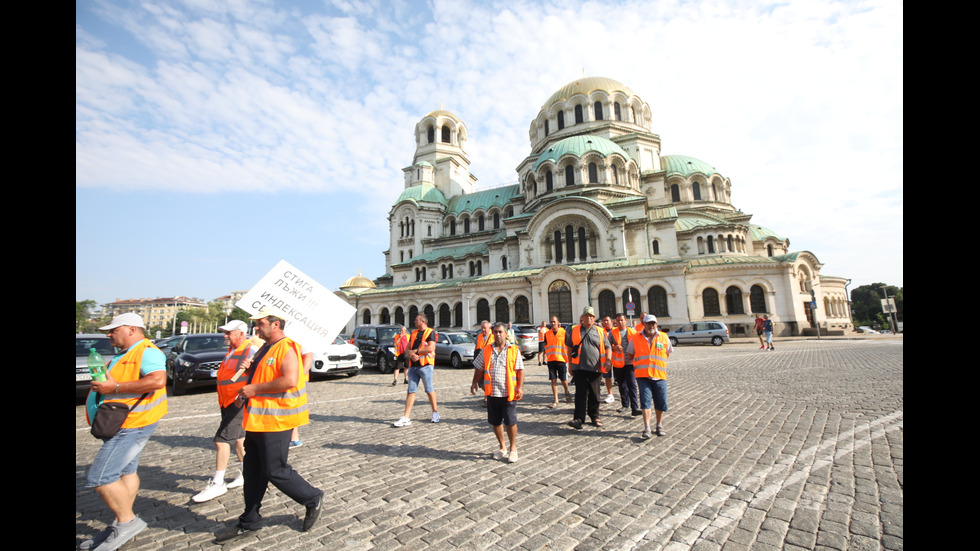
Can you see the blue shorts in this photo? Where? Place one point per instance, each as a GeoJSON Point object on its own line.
{"type": "Point", "coordinates": [423, 373]}
{"type": "Point", "coordinates": [652, 390]}
{"type": "Point", "coordinates": [501, 411]}
{"type": "Point", "coordinates": [118, 456]}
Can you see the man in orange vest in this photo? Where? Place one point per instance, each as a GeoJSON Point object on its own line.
{"type": "Point", "coordinates": [607, 372]}
{"type": "Point", "coordinates": [137, 378]}
{"type": "Point", "coordinates": [422, 355]}
{"type": "Point", "coordinates": [625, 378]}
{"type": "Point", "coordinates": [500, 368]}
{"type": "Point", "coordinates": [400, 342]}
{"type": "Point", "coordinates": [648, 352]}
{"type": "Point", "coordinates": [556, 356]}
{"type": "Point", "coordinates": [275, 403]}
{"type": "Point", "coordinates": [230, 430]}
{"type": "Point", "coordinates": [589, 352]}
{"type": "Point", "coordinates": [483, 338]}
{"type": "Point", "coordinates": [542, 329]}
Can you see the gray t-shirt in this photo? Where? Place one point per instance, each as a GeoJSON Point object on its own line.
{"type": "Point", "coordinates": [589, 358]}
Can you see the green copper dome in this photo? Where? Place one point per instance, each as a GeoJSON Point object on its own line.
{"type": "Point", "coordinates": [423, 192]}
{"type": "Point", "coordinates": [685, 166]}
{"type": "Point", "coordinates": [587, 85]}
{"type": "Point", "coordinates": [578, 146]}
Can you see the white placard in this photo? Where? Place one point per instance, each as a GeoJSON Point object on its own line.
{"type": "Point", "coordinates": [314, 315]}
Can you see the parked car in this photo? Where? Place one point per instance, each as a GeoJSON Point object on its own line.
{"type": "Point", "coordinates": [376, 344]}
{"type": "Point", "coordinates": [340, 358]}
{"type": "Point", "coordinates": [866, 329]}
{"type": "Point", "coordinates": [193, 361]}
{"type": "Point", "coordinates": [84, 342]}
{"type": "Point", "coordinates": [714, 332]}
{"type": "Point", "coordinates": [455, 347]}
{"type": "Point", "coordinates": [527, 339]}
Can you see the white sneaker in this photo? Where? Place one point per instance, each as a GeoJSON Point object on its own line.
{"type": "Point", "coordinates": [610, 399]}
{"type": "Point", "coordinates": [435, 416]}
{"type": "Point", "coordinates": [403, 422]}
{"type": "Point", "coordinates": [512, 457]}
{"type": "Point", "coordinates": [500, 454]}
{"type": "Point", "coordinates": [237, 483]}
{"type": "Point", "coordinates": [212, 491]}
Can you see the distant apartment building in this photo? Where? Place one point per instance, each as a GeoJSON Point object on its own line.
{"type": "Point", "coordinates": [228, 301]}
{"type": "Point", "coordinates": [154, 311]}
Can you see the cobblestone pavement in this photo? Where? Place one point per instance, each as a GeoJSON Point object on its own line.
{"type": "Point", "coordinates": [800, 448]}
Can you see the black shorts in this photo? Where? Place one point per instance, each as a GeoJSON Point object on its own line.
{"type": "Point", "coordinates": [231, 428]}
{"type": "Point", "coordinates": [501, 411]}
{"type": "Point", "coordinates": [557, 370]}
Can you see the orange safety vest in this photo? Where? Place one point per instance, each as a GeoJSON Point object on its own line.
{"type": "Point", "coordinates": [577, 339]}
{"type": "Point", "coordinates": [152, 408]}
{"type": "Point", "coordinates": [279, 411]}
{"type": "Point", "coordinates": [401, 344]}
{"type": "Point", "coordinates": [227, 389]}
{"type": "Point", "coordinates": [426, 359]}
{"type": "Point", "coordinates": [650, 362]}
{"type": "Point", "coordinates": [541, 332]}
{"type": "Point", "coordinates": [482, 340]}
{"type": "Point", "coordinates": [619, 358]}
{"type": "Point", "coordinates": [512, 351]}
{"type": "Point", "coordinates": [554, 346]}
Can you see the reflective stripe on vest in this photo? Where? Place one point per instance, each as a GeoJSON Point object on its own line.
{"type": "Point", "coordinates": [280, 411]}
{"type": "Point", "coordinates": [577, 339]}
{"type": "Point", "coordinates": [425, 359]}
{"type": "Point", "coordinates": [512, 351]}
{"type": "Point", "coordinates": [152, 408]}
{"type": "Point", "coordinates": [647, 362]}
{"type": "Point", "coordinates": [227, 389]}
{"type": "Point", "coordinates": [554, 346]}
{"type": "Point", "coordinates": [619, 358]}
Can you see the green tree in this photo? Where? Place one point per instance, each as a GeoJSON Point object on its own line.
{"type": "Point", "coordinates": [866, 303]}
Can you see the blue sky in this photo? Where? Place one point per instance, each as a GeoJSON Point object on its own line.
{"type": "Point", "coordinates": [213, 139]}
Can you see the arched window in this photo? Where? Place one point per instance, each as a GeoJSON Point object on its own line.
{"type": "Point", "coordinates": [445, 134]}
{"type": "Point", "coordinates": [769, 248]}
{"type": "Point", "coordinates": [579, 119]}
{"type": "Point", "coordinates": [482, 310]}
{"type": "Point", "coordinates": [399, 316]}
{"type": "Point", "coordinates": [385, 316]}
{"type": "Point", "coordinates": [458, 315]}
{"type": "Point", "coordinates": [570, 242]}
{"type": "Point", "coordinates": [445, 317]}
{"type": "Point", "coordinates": [657, 301]}
{"type": "Point", "coordinates": [503, 263]}
{"type": "Point", "coordinates": [413, 312]}
{"type": "Point", "coordinates": [547, 127]}
{"type": "Point", "coordinates": [607, 303]}
{"type": "Point", "coordinates": [401, 226]}
{"type": "Point", "coordinates": [431, 134]}
{"type": "Point", "coordinates": [733, 300]}
{"type": "Point", "coordinates": [583, 250]}
{"type": "Point", "coordinates": [561, 120]}
{"type": "Point", "coordinates": [615, 173]}
{"type": "Point", "coordinates": [656, 246]}
{"type": "Point", "coordinates": [675, 193]}
{"type": "Point", "coordinates": [466, 225]}
{"type": "Point", "coordinates": [560, 301]}
{"type": "Point", "coordinates": [711, 244]}
{"type": "Point", "coordinates": [569, 176]}
{"type": "Point", "coordinates": [730, 244]}
{"type": "Point", "coordinates": [452, 227]}
{"type": "Point", "coordinates": [757, 300]}
{"type": "Point", "coordinates": [598, 110]}
{"type": "Point", "coordinates": [618, 111]}
{"type": "Point", "coordinates": [593, 173]}
{"type": "Point", "coordinates": [709, 301]}
{"type": "Point", "coordinates": [402, 255]}
{"type": "Point", "coordinates": [522, 310]}
{"type": "Point", "coordinates": [430, 314]}
{"type": "Point", "coordinates": [549, 181]}
{"type": "Point", "coordinates": [480, 222]}
{"type": "Point", "coordinates": [501, 310]}
{"type": "Point", "coordinates": [496, 220]}
{"type": "Point", "coordinates": [697, 191]}
{"type": "Point", "coordinates": [366, 317]}
{"type": "Point", "coordinates": [558, 247]}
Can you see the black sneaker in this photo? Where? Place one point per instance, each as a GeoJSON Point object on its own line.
{"type": "Point", "coordinates": [575, 424]}
{"type": "Point", "coordinates": [313, 513]}
{"type": "Point", "coordinates": [636, 412]}
{"type": "Point", "coordinates": [233, 533]}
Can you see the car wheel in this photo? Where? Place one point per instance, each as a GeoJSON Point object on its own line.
{"type": "Point", "coordinates": [456, 361]}
{"type": "Point", "coordinates": [673, 341]}
{"type": "Point", "coordinates": [717, 341]}
{"type": "Point", "coordinates": [383, 364]}
{"type": "Point", "coordinates": [178, 387]}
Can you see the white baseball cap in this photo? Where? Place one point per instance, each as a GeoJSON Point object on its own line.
{"type": "Point", "coordinates": [233, 325]}
{"type": "Point", "coordinates": [649, 318]}
{"type": "Point", "coordinates": [129, 318]}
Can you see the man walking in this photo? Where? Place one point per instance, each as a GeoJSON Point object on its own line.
{"type": "Point", "coordinates": [589, 350]}
{"type": "Point", "coordinates": [542, 329]}
{"type": "Point", "coordinates": [135, 377]}
{"type": "Point", "coordinates": [422, 358]}
{"type": "Point", "coordinates": [648, 352]}
{"type": "Point", "coordinates": [607, 374]}
{"type": "Point", "coordinates": [622, 371]}
{"type": "Point", "coordinates": [556, 356]}
{"type": "Point", "coordinates": [275, 402]}
{"type": "Point", "coordinates": [230, 379]}
{"type": "Point", "coordinates": [501, 368]}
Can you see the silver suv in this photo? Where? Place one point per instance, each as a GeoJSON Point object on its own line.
{"type": "Point", "coordinates": [714, 332]}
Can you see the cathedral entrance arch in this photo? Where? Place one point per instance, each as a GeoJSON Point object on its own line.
{"type": "Point", "coordinates": [560, 301]}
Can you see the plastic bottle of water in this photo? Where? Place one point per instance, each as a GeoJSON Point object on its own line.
{"type": "Point", "coordinates": [96, 365]}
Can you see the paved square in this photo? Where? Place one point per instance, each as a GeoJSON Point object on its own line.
{"type": "Point", "coordinates": [800, 448]}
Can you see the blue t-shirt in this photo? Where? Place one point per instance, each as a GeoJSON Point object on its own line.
{"type": "Point", "coordinates": [153, 360]}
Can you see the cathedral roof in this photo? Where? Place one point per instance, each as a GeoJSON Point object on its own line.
{"type": "Point", "coordinates": [422, 192]}
{"type": "Point", "coordinates": [685, 166]}
{"type": "Point", "coordinates": [483, 200]}
{"type": "Point", "coordinates": [578, 146]}
{"type": "Point", "coordinates": [586, 86]}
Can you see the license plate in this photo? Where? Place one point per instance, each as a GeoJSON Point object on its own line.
{"type": "Point", "coordinates": [214, 373]}
{"type": "Point", "coordinates": [83, 377]}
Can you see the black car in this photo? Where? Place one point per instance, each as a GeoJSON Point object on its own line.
{"type": "Point", "coordinates": [193, 361]}
{"type": "Point", "coordinates": [83, 344]}
{"type": "Point", "coordinates": [377, 345]}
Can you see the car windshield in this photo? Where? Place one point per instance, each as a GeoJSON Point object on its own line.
{"type": "Point", "coordinates": [100, 344]}
{"type": "Point", "coordinates": [340, 340]}
{"type": "Point", "coordinates": [387, 334]}
{"type": "Point", "coordinates": [460, 338]}
{"type": "Point", "coordinates": [205, 344]}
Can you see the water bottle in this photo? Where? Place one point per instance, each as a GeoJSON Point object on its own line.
{"type": "Point", "coordinates": [96, 365]}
